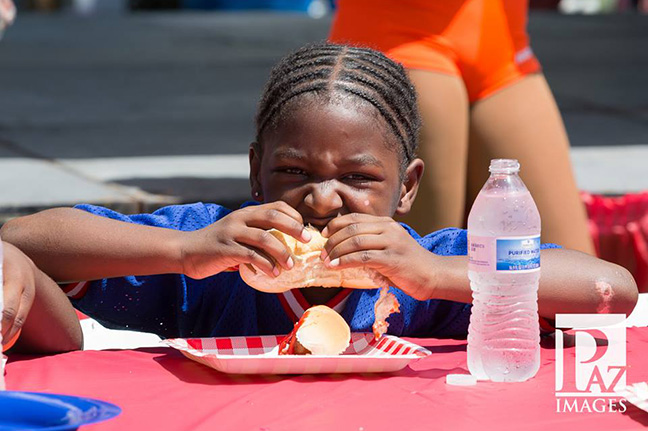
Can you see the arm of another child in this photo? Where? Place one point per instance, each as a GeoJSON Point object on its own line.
{"type": "Point", "coordinates": [35, 309]}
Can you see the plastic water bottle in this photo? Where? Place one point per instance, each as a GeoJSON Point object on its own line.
{"type": "Point", "coordinates": [504, 270]}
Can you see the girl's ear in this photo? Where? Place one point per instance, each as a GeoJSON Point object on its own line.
{"type": "Point", "coordinates": [255, 169]}
{"type": "Point", "coordinates": [410, 185]}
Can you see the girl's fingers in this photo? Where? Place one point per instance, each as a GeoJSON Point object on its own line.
{"type": "Point", "coordinates": [250, 255]}
{"type": "Point", "coordinates": [367, 258]}
{"type": "Point", "coordinates": [351, 231]}
{"type": "Point", "coordinates": [17, 303]}
{"type": "Point", "coordinates": [353, 244]}
{"type": "Point", "coordinates": [286, 209]}
{"type": "Point", "coordinates": [280, 216]}
{"type": "Point", "coordinates": [12, 294]}
{"type": "Point", "coordinates": [267, 243]}
{"type": "Point", "coordinates": [342, 222]}
{"type": "Point", "coordinates": [21, 316]}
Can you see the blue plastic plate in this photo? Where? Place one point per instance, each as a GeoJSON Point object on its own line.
{"type": "Point", "coordinates": [50, 412]}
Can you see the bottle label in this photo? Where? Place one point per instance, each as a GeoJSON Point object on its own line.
{"type": "Point", "coordinates": [518, 254]}
{"type": "Point", "coordinates": [521, 253]}
{"type": "Point", "coordinates": [481, 253]}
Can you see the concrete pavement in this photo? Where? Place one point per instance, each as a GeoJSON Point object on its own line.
{"type": "Point", "coordinates": [141, 110]}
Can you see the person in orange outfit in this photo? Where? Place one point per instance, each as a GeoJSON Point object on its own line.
{"type": "Point", "coordinates": [37, 316]}
{"type": "Point", "coordinates": [482, 95]}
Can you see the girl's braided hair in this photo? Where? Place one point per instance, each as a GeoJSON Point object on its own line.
{"type": "Point", "coordinates": [325, 69]}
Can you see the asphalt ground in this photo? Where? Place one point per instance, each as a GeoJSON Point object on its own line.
{"type": "Point", "coordinates": [138, 110]}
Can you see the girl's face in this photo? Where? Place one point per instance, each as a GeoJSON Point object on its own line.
{"type": "Point", "coordinates": [330, 159]}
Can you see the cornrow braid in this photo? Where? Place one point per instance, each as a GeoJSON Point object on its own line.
{"type": "Point", "coordinates": [325, 69]}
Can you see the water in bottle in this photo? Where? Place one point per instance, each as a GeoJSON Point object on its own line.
{"type": "Point", "coordinates": [504, 270]}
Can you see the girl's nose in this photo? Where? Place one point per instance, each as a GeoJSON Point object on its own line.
{"type": "Point", "coordinates": [323, 198]}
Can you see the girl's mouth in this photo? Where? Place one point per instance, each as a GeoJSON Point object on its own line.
{"type": "Point", "coordinates": [319, 224]}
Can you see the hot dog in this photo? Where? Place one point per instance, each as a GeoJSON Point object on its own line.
{"type": "Point", "coordinates": [309, 269]}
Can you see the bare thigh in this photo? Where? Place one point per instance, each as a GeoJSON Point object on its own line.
{"type": "Point", "coordinates": [523, 122]}
{"type": "Point", "coordinates": [443, 146]}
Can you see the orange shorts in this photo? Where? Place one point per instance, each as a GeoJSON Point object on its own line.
{"type": "Point", "coordinates": [482, 41]}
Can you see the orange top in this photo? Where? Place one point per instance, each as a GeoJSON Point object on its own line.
{"type": "Point", "coordinates": [483, 41]}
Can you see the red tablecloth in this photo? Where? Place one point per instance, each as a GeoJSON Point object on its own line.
{"type": "Point", "coordinates": [619, 228]}
{"type": "Point", "coordinates": [159, 389]}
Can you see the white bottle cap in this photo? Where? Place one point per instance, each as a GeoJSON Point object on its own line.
{"type": "Point", "coordinates": [461, 380]}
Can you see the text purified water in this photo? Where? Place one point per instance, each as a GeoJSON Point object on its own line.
{"type": "Point", "coordinates": [504, 270]}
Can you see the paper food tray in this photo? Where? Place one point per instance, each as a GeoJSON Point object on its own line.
{"type": "Point", "coordinates": [255, 355]}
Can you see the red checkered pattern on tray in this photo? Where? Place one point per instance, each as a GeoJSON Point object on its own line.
{"type": "Point", "coordinates": [394, 346]}
{"type": "Point", "coordinates": [235, 345]}
{"type": "Point", "coordinates": [361, 344]}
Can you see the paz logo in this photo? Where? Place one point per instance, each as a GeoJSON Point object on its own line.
{"type": "Point", "coordinates": [598, 367]}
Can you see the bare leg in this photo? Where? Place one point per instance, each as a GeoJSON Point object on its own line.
{"type": "Point", "coordinates": [523, 122]}
{"type": "Point", "coordinates": [443, 147]}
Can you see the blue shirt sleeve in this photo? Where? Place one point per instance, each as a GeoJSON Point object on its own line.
{"type": "Point", "coordinates": [166, 304]}
{"type": "Point", "coordinates": [179, 217]}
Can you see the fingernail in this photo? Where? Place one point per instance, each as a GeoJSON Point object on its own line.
{"type": "Point", "coordinates": [306, 235]}
{"type": "Point", "coordinates": [275, 271]}
{"type": "Point", "coordinates": [290, 263]}
{"type": "Point", "coordinates": [325, 232]}
{"type": "Point", "coordinates": [323, 254]}
{"type": "Point", "coordinates": [335, 262]}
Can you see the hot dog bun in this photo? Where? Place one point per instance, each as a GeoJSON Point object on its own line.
{"type": "Point", "coordinates": [320, 331]}
{"type": "Point", "coordinates": [309, 269]}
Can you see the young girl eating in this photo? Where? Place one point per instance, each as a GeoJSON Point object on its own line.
{"type": "Point", "coordinates": [336, 141]}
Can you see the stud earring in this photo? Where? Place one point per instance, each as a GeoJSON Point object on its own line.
{"type": "Point", "coordinates": [256, 194]}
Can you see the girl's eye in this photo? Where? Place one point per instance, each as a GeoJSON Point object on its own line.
{"type": "Point", "coordinates": [292, 171]}
{"type": "Point", "coordinates": [358, 178]}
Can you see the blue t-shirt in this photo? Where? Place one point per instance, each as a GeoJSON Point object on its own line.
{"type": "Point", "coordinates": [174, 305]}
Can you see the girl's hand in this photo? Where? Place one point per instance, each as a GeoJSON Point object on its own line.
{"type": "Point", "coordinates": [19, 290]}
{"type": "Point", "coordinates": [241, 237]}
{"type": "Point", "coordinates": [382, 244]}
